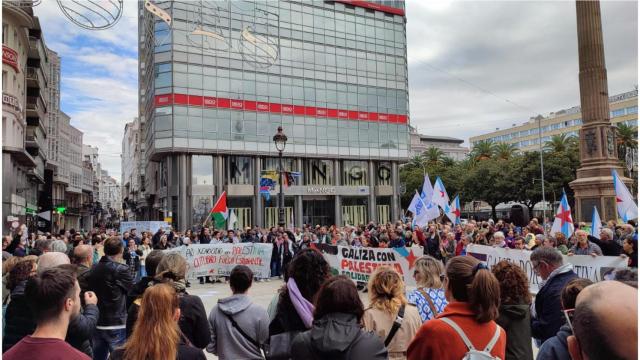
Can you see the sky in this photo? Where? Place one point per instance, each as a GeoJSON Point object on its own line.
{"type": "Point", "coordinates": [474, 66]}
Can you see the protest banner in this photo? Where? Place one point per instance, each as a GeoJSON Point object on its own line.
{"type": "Point", "coordinates": [358, 263]}
{"type": "Point", "coordinates": [140, 226]}
{"type": "Point", "coordinates": [220, 259]}
{"type": "Point", "coordinates": [586, 266]}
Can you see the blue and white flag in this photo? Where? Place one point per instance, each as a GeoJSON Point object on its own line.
{"type": "Point", "coordinates": [453, 211]}
{"type": "Point", "coordinates": [563, 222]}
{"type": "Point", "coordinates": [440, 196]}
{"type": "Point", "coordinates": [596, 223]}
{"type": "Point", "coordinates": [627, 208]}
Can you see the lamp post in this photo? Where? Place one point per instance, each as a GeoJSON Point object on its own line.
{"type": "Point", "coordinates": [544, 200]}
{"type": "Point", "coordinates": [280, 139]}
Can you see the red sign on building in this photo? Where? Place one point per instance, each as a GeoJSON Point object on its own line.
{"type": "Point", "coordinates": [10, 57]}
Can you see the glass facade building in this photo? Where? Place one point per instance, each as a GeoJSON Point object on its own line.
{"type": "Point", "coordinates": [217, 78]}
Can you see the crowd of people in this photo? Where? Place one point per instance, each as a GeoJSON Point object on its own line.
{"type": "Point", "coordinates": [102, 294]}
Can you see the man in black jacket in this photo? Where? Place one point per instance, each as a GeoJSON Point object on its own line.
{"type": "Point", "coordinates": [110, 280]}
{"type": "Point", "coordinates": [546, 314]}
{"type": "Point", "coordinates": [608, 246]}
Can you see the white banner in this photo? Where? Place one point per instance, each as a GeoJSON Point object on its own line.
{"type": "Point", "coordinates": [220, 259]}
{"type": "Point", "coordinates": [586, 266]}
{"type": "Point", "coordinates": [359, 263]}
{"type": "Point", "coordinates": [140, 226]}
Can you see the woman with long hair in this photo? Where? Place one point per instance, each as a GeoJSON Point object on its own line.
{"type": "Point", "coordinates": [514, 317]}
{"type": "Point", "coordinates": [294, 310]}
{"type": "Point", "coordinates": [474, 298]}
{"type": "Point", "coordinates": [429, 295]}
{"type": "Point", "coordinates": [387, 303]}
{"type": "Point", "coordinates": [193, 319]}
{"type": "Point", "coordinates": [156, 334]}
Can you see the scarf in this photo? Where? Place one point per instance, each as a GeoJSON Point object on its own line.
{"type": "Point", "coordinates": [303, 307]}
{"type": "Point", "coordinates": [560, 270]}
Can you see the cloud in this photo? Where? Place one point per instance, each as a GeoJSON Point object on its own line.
{"type": "Point", "coordinates": [476, 66]}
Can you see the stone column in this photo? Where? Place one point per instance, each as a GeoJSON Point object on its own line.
{"type": "Point", "coordinates": [257, 198]}
{"type": "Point", "coordinates": [337, 198]}
{"type": "Point", "coordinates": [184, 215]}
{"type": "Point", "coordinates": [299, 214]}
{"type": "Point", "coordinates": [395, 198]}
{"type": "Point", "coordinates": [598, 150]}
{"type": "Point", "coordinates": [372, 191]}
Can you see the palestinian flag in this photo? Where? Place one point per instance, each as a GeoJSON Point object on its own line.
{"type": "Point", "coordinates": [220, 211]}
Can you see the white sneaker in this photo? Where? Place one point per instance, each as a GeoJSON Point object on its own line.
{"type": "Point", "coordinates": [267, 280]}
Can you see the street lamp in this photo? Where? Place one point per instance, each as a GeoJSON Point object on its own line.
{"type": "Point", "coordinates": [544, 200]}
{"type": "Point", "coordinates": [280, 139]}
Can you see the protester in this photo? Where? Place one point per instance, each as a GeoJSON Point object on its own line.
{"type": "Point", "coordinates": [193, 317]}
{"type": "Point", "coordinates": [514, 318]}
{"type": "Point", "coordinates": [145, 248]}
{"type": "Point", "coordinates": [561, 243]}
{"type": "Point", "coordinates": [474, 297]}
{"type": "Point", "coordinates": [388, 305]}
{"type": "Point", "coordinates": [546, 314]}
{"type": "Point", "coordinates": [555, 348]}
{"type": "Point", "coordinates": [19, 319]}
{"type": "Point", "coordinates": [83, 258]}
{"type": "Point", "coordinates": [584, 246]}
{"type": "Point", "coordinates": [52, 259]}
{"type": "Point", "coordinates": [294, 309]}
{"type": "Point", "coordinates": [606, 243]}
{"type": "Point", "coordinates": [156, 334]}
{"type": "Point", "coordinates": [151, 263]}
{"type": "Point", "coordinates": [448, 246]}
{"type": "Point", "coordinates": [54, 298]}
{"type": "Point", "coordinates": [239, 328]}
{"type": "Point", "coordinates": [605, 323]}
{"type": "Point", "coordinates": [630, 250]}
{"type": "Point", "coordinates": [110, 280]}
{"type": "Point", "coordinates": [336, 331]}
{"type": "Point", "coordinates": [429, 295]}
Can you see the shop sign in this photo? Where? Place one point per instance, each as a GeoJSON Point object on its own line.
{"type": "Point", "coordinates": [321, 190]}
{"type": "Point", "coordinates": [10, 57]}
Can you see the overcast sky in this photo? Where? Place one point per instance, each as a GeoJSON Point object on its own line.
{"type": "Point", "coordinates": [469, 62]}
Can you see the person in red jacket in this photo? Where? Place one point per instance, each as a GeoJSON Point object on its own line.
{"type": "Point", "coordinates": [473, 293]}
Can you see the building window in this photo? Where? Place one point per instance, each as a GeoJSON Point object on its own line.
{"type": "Point", "coordinates": [318, 172]}
{"type": "Point", "coordinates": [239, 170]}
{"type": "Point", "coordinates": [616, 113]}
{"type": "Point", "coordinates": [354, 173]}
{"type": "Point", "coordinates": [201, 170]}
{"type": "Point", "coordinates": [200, 208]}
{"type": "Point", "coordinates": [4, 81]}
{"type": "Point", "coordinates": [5, 34]}
{"type": "Point", "coordinates": [289, 164]}
{"type": "Point", "coordinates": [632, 110]}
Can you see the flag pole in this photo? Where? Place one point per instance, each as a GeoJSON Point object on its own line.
{"type": "Point", "coordinates": [208, 215]}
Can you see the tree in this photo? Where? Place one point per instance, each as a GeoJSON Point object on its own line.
{"type": "Point", "coordinates": [433, 155]}
{"type": "Point", "coordinates": [626, 139]}
{"type": "Point", "coordinates": [561, 143]}
{"type": "Point", "coordinates": [483, 150]}
{"type": "Point", "coordinates": [448, 162]}
{"type": "Point", "coordinates": [504, 151]}
{"type": "Point", "coordinates": [490, 181]}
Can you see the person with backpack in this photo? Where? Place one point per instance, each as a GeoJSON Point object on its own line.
{"type": "Point", "coordinates": [239, 328]}
{"type": "Point", "coordinates": [390, 316]}
{"type": "Point", "coordinates": [467, 328]}
{"type": "Point", "coordinates": [429, 296]}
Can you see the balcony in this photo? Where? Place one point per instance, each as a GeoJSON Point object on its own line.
{"type": "Point", "coordinates": [35, 48]}
{"type": "Point", "coordinates": [35, 78]}
{"type": "Point", "coordinates": [36, 110]}
{"type": "Point", "coordinates": [35, 139]}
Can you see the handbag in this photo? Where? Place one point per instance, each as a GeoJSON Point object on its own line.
{"type": "Point", "coordinates": [397, 323]}
{"type": "Point", "coordinates": [279, 346]}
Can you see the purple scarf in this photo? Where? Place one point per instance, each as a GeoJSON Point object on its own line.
{"type": "Point", "coordinates": [303, 307]}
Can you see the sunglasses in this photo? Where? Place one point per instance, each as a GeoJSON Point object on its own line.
{"type": "Point", "coordinates": [568, 315]}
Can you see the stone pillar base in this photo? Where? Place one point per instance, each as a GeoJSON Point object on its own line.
{"type": "Point", "coordinates": [597, 191]}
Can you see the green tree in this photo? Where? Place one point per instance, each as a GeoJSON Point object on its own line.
{"type": "Point", "coordinates": [561, 143]}
{"type": "Point", "coordinates": [626, 139]}
{"type": "Point", "coordinates": [491, 182]}
{"type": "Point", "coordinates": [483, 150]}
{"type": "Point", "coordinates": [448, 162]}
{"type": "Point", "coordinates": [416, 161]}
{"type": "Point", "coordinates": [504, 151]}
{"type": "Point", "coordinates": [433, 156]}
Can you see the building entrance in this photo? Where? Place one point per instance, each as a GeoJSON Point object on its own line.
{"type": "Point", "coordinates": [318, 212]}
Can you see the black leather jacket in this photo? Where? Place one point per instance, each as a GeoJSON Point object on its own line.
{"type": "Point", "coordinates": [111, 281]}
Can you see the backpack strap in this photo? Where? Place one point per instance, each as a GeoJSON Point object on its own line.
{"type": "Point", "coordinates": [460, 332]}
{"type": "Point", "coordinates": [397, 323]}
{"type": "Point", "coordinates": [494, 340]}
{"type": "Point", "coordinates": [244, 334]}
{"type": "Point", "coordinates": [426, 296]}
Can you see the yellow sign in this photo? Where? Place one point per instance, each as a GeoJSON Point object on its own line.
{"type": "Point", "coordinates": [167, 220]}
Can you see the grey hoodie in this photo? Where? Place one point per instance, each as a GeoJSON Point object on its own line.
{"type": "Point", "coordinates": [226, 341]}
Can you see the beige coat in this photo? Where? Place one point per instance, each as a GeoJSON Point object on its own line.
{"type": "Point", "coordinates": [380, 323]}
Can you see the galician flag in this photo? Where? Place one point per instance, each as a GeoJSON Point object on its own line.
{"type": "Point", "coordinates": [596, 223]}
{"type": "Point", "coordinates": [233, 219]}
{"type": "Point", "coordinates": [440, 196]}
{"type": "Point", "coordinates": [426, 212]}
{"type": "Point", "coordinates": [220, 211]}
{"type": "Point", "coordinates": [453, 211]}
{"type": "Point", "coordinates": [627, 208]}
{"type": "Point", "coordinates": [563, 222]}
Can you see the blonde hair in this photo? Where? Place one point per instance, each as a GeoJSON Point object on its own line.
{"type": "Point", "coordinates": [386, 290]}
{"type": "Point", "coordinates": [428, 271]}
{"type": "Point", "coordinates": [156, 334]}
{"type": "Point", "coordinates": [172, 266]}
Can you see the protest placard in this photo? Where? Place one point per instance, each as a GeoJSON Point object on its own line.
{"type": "Point", "coordinates": [358, 263]}
{"type": "Point", "coordinates": [220, 259]}
{"type": "Point", "coordinates": [586, 266]}
{"type": "Point", "coordinates": [140, 226]}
